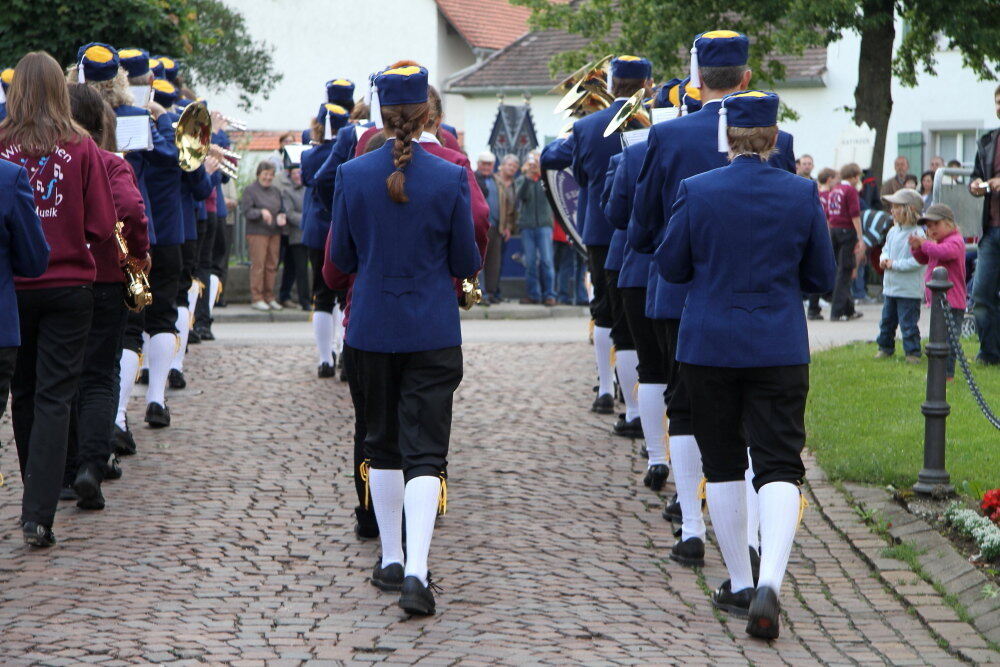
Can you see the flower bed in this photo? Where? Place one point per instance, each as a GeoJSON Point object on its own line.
{"type": "Point", "coordinates": [977, 527]}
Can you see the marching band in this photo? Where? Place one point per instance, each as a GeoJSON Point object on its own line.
{"type": "Point", "coordinates": [700, 241]}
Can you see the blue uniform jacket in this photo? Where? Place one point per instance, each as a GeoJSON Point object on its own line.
{"type": "Point", "coordinates": [591, 153]}
{"type": "Point", "coordinates": [676, 149]}
{"type": "Point", "coordinates": [616, 251]}
{"type": "Point", "coordinates": [618, 209]}
{"type": "Point", "coordinates": [315, 214]}
{"type": "Point", "coordinates": [163, 153]}
{"type": "Point", "coordinates": [751, 239]}
{"type": "Point", "coordinates": [344, 146]}
{"type": "Point", "coordinates": [196, 187]}
{"type": "Point", "coordinates": [163, 182]}
{"type": "Point", "coordinates": [23, 249]}
{"type": "Point", "coordinates": [404, 255]}
{"type": "Point", "coordinates": [220, 138]}
{"type": "Point", "coordinates": [559, 155]}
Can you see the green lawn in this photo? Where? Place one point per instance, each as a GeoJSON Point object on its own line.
{"type": "Point", "coordinates": [864, 421]}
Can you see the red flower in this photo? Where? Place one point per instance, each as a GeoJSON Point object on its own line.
{"type": "Point", "coordinates": [991, 502]}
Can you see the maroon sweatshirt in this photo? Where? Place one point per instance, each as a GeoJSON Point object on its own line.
{"type": "Point", "coordinates": [131, 210]}
{"type": "Point", "coordinates": [74, 202]}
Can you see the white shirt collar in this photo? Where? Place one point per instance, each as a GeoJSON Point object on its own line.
{"type": "Point", "coordinates": [428, 138]}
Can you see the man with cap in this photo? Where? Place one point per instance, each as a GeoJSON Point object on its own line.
{"type": "Point", "coordinates": [748, 240]}
{"type": "Point", "coordinates": [676, 150]}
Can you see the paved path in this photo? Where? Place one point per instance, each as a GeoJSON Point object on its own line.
{"type": "Point", "coordinates": [230, 540]}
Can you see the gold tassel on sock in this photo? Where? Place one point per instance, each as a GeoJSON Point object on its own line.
{"type": "Point", "coordinates": [702, 486]}
{"type": "Point", "coordinates": [363, 470]}
{"type": "Point", "coordinates": [443, 497]}
{"type": "Point", "coordinates": [803, 504]}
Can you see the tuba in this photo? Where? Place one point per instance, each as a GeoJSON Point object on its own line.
{"type": "Point", "coordinates": [193, 136]}
{"type": "Point", "coordinates": [585, 90]}
{"type": "Point", "coordinates": [137, 292]}
{"type": "Point", "coordinates": [471, 294]}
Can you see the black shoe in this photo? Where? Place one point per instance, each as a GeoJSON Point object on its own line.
{"type": "Point", "coordinates": [325, 370]}
{"type": "Point", "coordinates": [194, 338]}
{"type": "Point", "coordinates": [221, 303]}
{"type": "Point", "coordinates": [366, 527]}
{"type": "Point", "coordinates": [175, 379]}
{"type": "Point", "coordinates": [628, 429]}
{"type": "Point", "coordinates": [112, 469]}
{"type": "Point", "coordinates": [672, 512]}
{"type": "Point", "coordinates": [143, 376]}
{"type": "Point", "coordinates": [157, 416]}
{"type": "Point", "coordinates": [689, 552]}
{"type": "Point", "coordinates": [67, 492]}
{"type": "Point", "coordinates": [604, 405]}
{"type": "Point", "coordinates": [124, 442]}
{"type": "Point", "coordinates": [37, 535]}
{"type": "Point", "coordinates": [737, 604]}
{"type": "Point", "coordinates": [416, 598]}
{"type": "Point", "coordinates": [343, 374]}
{"type": "Point", "coordinates": [814, 316]}
{"type": "Point", "coordinates": [88, 487]}
{"type": "Point", "coordinates": [204, 333]}
{"type": "Point", "coordinates": [764, 615]}
{"type": "Point", "coordinates": [388, 578]}
{"type": "Point", "coordinates": [656, 476]}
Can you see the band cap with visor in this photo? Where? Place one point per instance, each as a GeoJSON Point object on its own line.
{"type": "Point", "coordinates": [748, 108]}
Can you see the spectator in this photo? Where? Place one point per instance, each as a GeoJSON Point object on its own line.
{"type": "Point", "coordinates": [503, 221]}
{"type": "Point", "coordinates": [844, 218]}
{"type": "Point", "coordinates": [485, 166]}
{"type": "Point", "coordinates": [986, 282]}
{"type": "Point", "coordinates": [277, 158]}
{"type": "Point", "coordinates": [804, 166]}
{"type": "Point", "coordinates": [262, 209]}
{"type": "Point", "coordinates": [869, 192]}
{"type": "Point", "coordinates": [943, 247]}
{"type": "Point", "coordinates": [927, 186]}
{"type": "Point", "coordinates": [902, 284]}
{"type": "Point", "coordinates": [571, 270]}
{"type": "Point", "coordinates": [232, 203]}
{"type": "Point", "coordinates": [936, 163]}
{"type": "Point", "coordinates": [297, 270]}
{"type": "Point", "coordinates": [897, 181]}
{"type": "Point", "coordinates": [534, 221]}
{"type": "Point", "coordinates": [825, 180]}
{"type": "Point", "coordinates": [910, 183]}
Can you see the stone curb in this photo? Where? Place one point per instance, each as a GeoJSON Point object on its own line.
{"type": "Point", "coordinates": [939, 560]}
{"type": "Point", "coordinates": [243, 313]}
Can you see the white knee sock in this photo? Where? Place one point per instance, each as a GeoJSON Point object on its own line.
{"type": "Point", "coordinates": [627, 366]}
{"type": "Point", "coordinates": [779, 518]}
{"type": "Point", "coordinates": [602, 353]}
{"type": "Point", "coordinates": [126, 380]}
{"type": "Point", "coordinates": [652, 413]}
{"type": "Point", "coordinates": [193, 297]}
{"type": "Point", "coordinates": [387, 499]}
{"type": "Point", "coordinates": [145, 352]}
{"type": "Point", "coordinates": [727, 503]}
{"type": "Point", "coordinates": [686, 460]}
{"type": "Point", "coordinates": [421, 503]}
{"type": "Point", "coordinates": [338, 330]}
{"type": "Point", "coordinates": [214, 289]}
{"type": "Point", "coordinates": [322, 333]}
{"type": "Point", "coordinates": [753, 509]}
{"type": "Point", "coordinates": [183, 328]}
{"type": "Point", "coordinates": [160, 352]}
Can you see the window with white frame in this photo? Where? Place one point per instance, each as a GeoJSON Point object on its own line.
{"type": "Point", "coordinates": [955, 145]}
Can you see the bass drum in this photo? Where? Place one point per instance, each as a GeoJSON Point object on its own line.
{"type": "Point", "coordinates": [564, 196]}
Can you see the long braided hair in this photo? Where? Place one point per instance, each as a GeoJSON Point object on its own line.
{"type": "Point", "coordinates": [406, 121]}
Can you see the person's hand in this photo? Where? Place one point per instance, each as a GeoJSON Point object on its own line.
{"type": "Point", "coordinates": [886, 264]}
{"type": "Point", "coordinates": [282, 219]}
{"type": "Point", "coordinates": [915, 241]}
{"type": "Point", "coordinates": [265, 215]}
{"type": "Point", "coordinates": [231, 203]}
{"type": "Point", "coordinates": [155, 109]}
{"type": "Point", "coordinates": [976, 188]}
{"type": "Point", "coordinates": [995, 183]}
{"type": "Point", "coordinates": [211, 164]}
{"type": "Point", "coordinates": [144, 264]}
{"type": "Point", "coordinates": [506, 235]}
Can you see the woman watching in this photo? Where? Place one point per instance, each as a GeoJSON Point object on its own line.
{"type": "Point", "coordinates": [262, 207]}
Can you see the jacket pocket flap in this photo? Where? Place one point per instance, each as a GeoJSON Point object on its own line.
{"type": "Point", "coordinates": [397, 285]}
{"type": "Point", "coordinates": [750, 301]}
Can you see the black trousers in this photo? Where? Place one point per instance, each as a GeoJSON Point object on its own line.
{"type": "Point", "coordinates": [677, 396]}
{"type": "Point", "coordinates": [205, 266]}
{"type": "Point", "coordinates": [323, 298]}
{"type": "Point", "coordinates": [844, 241]}
{"type": "Point", "coordinates": [652, 366]}
{"type": "Point", "coordinates": [161, 315]}
{"type": "Point", "coordinates": [600, 306]}
{"type": "Point", "coordinates": [349, 357]}
{"type": "Point", "coordinates": [189, 258]}
{"type": "Point", "coordinates": [97, 395]}
{"type": "Point", "coordinates": [408, 400]}
{"type": "Point", "coordinates": [8, 357]}
{"type": "Point", "coordinates": [765, 406]}
{"type": "Point", "coordinates": [132, 337]}
{"type": "Point", "coordinates": [621, 335]}
{"type": "Point", "coordinates": [54, 326]}
{"type": "Point", "coordinates": [296, 273]}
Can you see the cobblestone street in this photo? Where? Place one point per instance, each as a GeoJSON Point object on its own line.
{"type": "Point", "coordinates": [230, 539]}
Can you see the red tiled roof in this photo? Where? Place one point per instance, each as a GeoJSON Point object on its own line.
{"type": "Point", "coordinates": [488, 24]}
{"type": "Point", "coordinates": [252, 140]}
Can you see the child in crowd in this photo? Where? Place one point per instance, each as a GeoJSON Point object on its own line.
{"type": "Point", "coordinates": [902, 284]}
{"type": "Point", "coordinates": [943, 247]}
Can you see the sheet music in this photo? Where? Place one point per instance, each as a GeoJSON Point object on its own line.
{"type": "Point", "coordinates": [133, 133]}
{"type": "Point", "coordinates": [292, 154]}
{"type": "Point", "coordinates": [665, 113]}
{"type": "Point", "coordinates": [635, 136]}
{"type": "Point", "coordinates": [141, 95]}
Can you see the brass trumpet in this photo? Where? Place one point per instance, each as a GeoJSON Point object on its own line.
{"type": "Point", "coordinates": [193, 136]}
{"type": "Point", "coordinates": [137, 292]}
{"type": "Point", "coordinates": [237, 125]}
{"type": "Point", "coordinates": [471, 294]}
{"type": "Point", "coordinates": [228, 160]}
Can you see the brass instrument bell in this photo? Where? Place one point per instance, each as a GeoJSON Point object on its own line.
{"type": "Point", "coordinates": [471, 294]}
{"type": "Point", "coordinates": [631, 112]}
{"type": "Point", "coordinates": [138, 294]}
{"type": "Point", "coordinates": [193, 136]}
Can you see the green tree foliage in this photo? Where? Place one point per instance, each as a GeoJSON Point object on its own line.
{"type": "Point", "coordinates": [662, 30]}
{"type": "Point", "coordinates": [208, 38]}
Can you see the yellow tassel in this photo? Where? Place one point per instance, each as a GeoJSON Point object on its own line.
{"type": "Point", "coordinates": [666, 435]}
{"type": "Point", "coordinates": [201, 286]}
{"type": "Point", "coordinates": [614, 355]}
{"type": "Point", "coordinates": [702, 486]}
{"type": "Point", "coordinates": [1, 479]}
{"type": "Point", "coordinates": [803, 504]}
{"type": "Point", "coordinates": [635, 391]}
{"type": "Point", "coordinates": [177, 343]}
{"type": "Point", "coordinates": [191, 322]}
{"type": "Point", "coordinates": [590, 331]}
{"type": "Point", "coordinates": [218, 295]}
{"type": "Point", "coordinates": [363, 471]}
{"type": "Point", "coordinates": [443, 497]}
{"type": "Point", "coordinates": [138, 369]}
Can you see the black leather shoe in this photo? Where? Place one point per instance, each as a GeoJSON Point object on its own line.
{"type": "Point", "coordinates": [124, 442]}
{"type": "Point", "coordinates": [194, 338]}
{"type": "Point", "coordinates": [672, 512]}
{"type": "Point", "coordinates": [604, 405]}
{"type": "Point", "coordinates": [737, 604]}
{"type": "Point", "coordinates": [417, 598]}
{"type": "Point", "coordinates": [88, 487]}
{"type": "Point", "coordinates": [67, 492]}
{"type": "Point", "coordinates": [175, 379]}
{"type": "Point", "coordinates": [628, 429]}
{"type": "Point", "coordinates": [689, 552]}
{"type": "Point", "coordinates": [143, 376]}
{"type": "Point", "coordinates": [343, 374]}
{"type": "Point", "coordinates": [204, 333]}
{"type": "Point", "coordinates": [764, 615]}
{"type": "Point", "coordinates": [37, 535]}
{"type": "Point", "coordinates": [656, 476]}
{"type": "Point", "coordinates": [388, 578]}
{"type": "Point", "coordinates": [325, 370]}
{"type": "Point", "coordinates": [112, 469]}
{"type": "Point", "coordinates": [157, 416]}
{"type": "Point", "coordinates": [366, 527]}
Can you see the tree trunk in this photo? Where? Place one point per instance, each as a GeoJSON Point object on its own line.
{"type": "Point", "coordinates": [873, 95]}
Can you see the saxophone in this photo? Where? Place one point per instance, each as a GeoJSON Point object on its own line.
{"type": "Point", "coordinates": [471, 294]}
{"type": "Point", "coordinates": [137, 292]}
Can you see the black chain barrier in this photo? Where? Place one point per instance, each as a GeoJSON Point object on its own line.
{"type": "Point", "coordinates": [955, 342]}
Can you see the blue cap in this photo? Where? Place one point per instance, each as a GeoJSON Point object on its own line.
{"type": "Point", "coordinates": [402, 85]}
{"type": "Point", "coordinates": [340, 91]}
{"type": "Point", "coordinates": [135, 61]}
{"type": "Point", "coordinates": [156, 67]}
{"type": "Point", "coordinates": [748, 108]}
{"type": "Point", "coordinates": [182, 102]}
{"type": "Point", "coordinates": [164, 93]}
{"type": "Point", "coordinates": [631, 67]}
{"type": "Point", "coordinates": [332, 117]}
{"type": "Point", "coordinates": [718, 48]}
{"type": "Point", "coordinates": [169, 67]}
{"type": "Point", "coordinates": [97, 62]}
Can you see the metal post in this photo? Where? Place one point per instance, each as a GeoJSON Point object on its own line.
{"type": "Point", "coordinates": [934, 479]}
